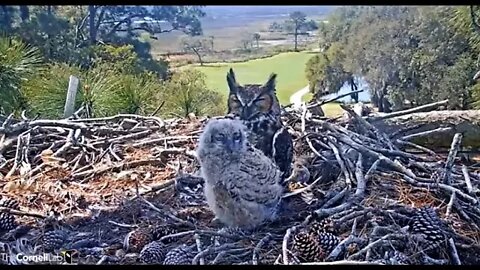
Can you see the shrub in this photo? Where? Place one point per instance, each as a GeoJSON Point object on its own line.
{"type": "Point", "coordinates": [186, 92]}
{"type": "Point", "coordinates": [135, 94]}
{"type": "Point", "coordinates": [18, 63]}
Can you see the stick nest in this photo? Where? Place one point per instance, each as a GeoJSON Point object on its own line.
{"type": "Point", "coordinates": [109, 187]}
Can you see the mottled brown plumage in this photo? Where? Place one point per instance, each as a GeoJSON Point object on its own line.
{"type": "Point", "coordinates": [242, 185]}
{"type": "Point", "coordinates": [258, 107]}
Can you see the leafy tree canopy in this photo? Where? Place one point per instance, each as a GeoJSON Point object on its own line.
{"type": "Point", "coordinates": [414, 54]}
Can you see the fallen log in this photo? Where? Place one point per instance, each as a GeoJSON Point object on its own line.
{"type": "Point", "coordinates": [447, 123]}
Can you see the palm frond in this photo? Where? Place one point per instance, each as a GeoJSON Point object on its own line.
{"type": "Point", "coordinates": [130, 94]}
{"type": "Point", "coordinates": [18, 63]}
{"type": "Point", "coordinates": [19, 56]}
{"type": "Point", "coordinates": [46, 91]}
{"type": "Point", "coordinates": [97, 88]}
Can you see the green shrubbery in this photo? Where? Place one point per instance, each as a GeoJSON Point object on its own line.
{"type": "Point", "coordinates": [116, 83]}
{"type": "Point", "coordinates": [44, 45]}
{"type": "Point", "coordinates": [187, 92]}
{"type": "Point", "coordinates": [18, 63]}
{"type": "Point", "coordinates": [419, 54]}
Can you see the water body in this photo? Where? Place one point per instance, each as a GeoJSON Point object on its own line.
{"type": "Point", "coordinates": [362, 96]}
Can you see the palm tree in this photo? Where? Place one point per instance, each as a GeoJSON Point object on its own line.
{"type": "Point", "coordinates": [18, 62]}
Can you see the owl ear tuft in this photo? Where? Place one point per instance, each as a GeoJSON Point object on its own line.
{"type": "Point", "coordinates": [232, 81]}
{"type": "Point", "coordinates": [271, 83]}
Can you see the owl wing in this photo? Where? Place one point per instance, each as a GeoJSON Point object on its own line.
{"type": "Point", "coordinates": [257, 179]}
{"type": "Point", "coordinates": [226, 195]}
{"type": "Point", "coordinates": [282, 151]}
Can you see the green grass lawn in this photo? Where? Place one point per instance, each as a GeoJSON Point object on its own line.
{"type": "Point", "coordinates": [290, 68]}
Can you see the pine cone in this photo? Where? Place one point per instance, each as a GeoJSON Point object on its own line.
{"type": "Point", "coordinates": [53, 240]}
{"type": "Point", "coordinates": [8, 221]}
{"type": "Point", "coordinates": [427, 223]}
{"type": "Point", "coordinates": [307, 248]}
{"type": "Point", "coordinates": [399, 258]}
{"type": "Point", "coordinates": [181, 255]}
{"type": "Point", "coordinates": [328, 242]}
{"type": "Point", "coordinates": [9, 203]}
{"type": "Point", "coordinates": [325, 225]}
{"type": "Point", "coordinates": [435, 177]}
{"type": "Point", "coordinates": [235, 232]}
{"type": "Point", "coordinates": [161, 231]}
{"type": "Point", "coordinates": [395, 258]}
{"type": "Point", "coordinates": [153, 253]}
{"type": "Point", "coordinates": [137, 239]}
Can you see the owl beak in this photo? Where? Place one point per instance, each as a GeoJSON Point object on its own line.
{"type": "Point", "coordinates": [233, 146]}
{"type": "Point", "coordinates": [247, 113]}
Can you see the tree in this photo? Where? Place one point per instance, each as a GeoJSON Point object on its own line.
{"type": "Point", "coordinates": [326, 72]}
{"type": "Point", "coordinates": [24, 13]}
{"type": "Point", "coordinates": [7, 16]}
{"type": "Point", "coordinates": [108, 21]}
{"type": "Point", "coordinates": [49, 33]}
{"type": "Point", "coordinates": [102, 92]}
{"type": "Point", "coordinates": [465, 20]}
{"type": "Point", "coordinates": [187, 93]}
{"type": "Point", "coordinates": [198, 45]}
{"type": "Point", "coordinates": [246, 43]}
{"type": "Point", "coordinates": [134, 94]}
{"type": "Point", "coordinates": [297, 20]}
{"type": "Point", "coordinates": [256, 37]}
{"type": "Point", "coordinates": [275, 27]}
{"type": "Point", "coordinates": [69, 33]}
{"type": "Point", "coordinates": [212, 42]}
{"type": "Point", "coordinates": [414, 54]}
{"type": "Point", "coordinates": [45, 91]}
{"type": "Point", "coordinates": [311, 25]}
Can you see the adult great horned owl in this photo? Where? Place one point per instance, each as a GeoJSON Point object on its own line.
{"type": "Point", "coordinates": [242, 185]}
{"type": "Point", "coordinates": [258, 107]}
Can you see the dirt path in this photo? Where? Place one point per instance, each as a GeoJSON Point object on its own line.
{"type": "Point", "coordinates": [296, 98]}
